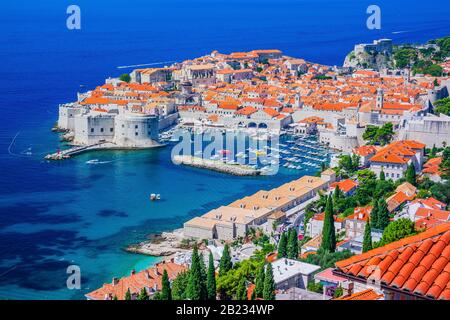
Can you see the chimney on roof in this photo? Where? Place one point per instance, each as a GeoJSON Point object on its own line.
{"type": "Point", "coordinates": [347, 287]}
{"type": "Point", "coordinates": [115, 281]}
{"type": "Point", "coordinates": [133, 272]}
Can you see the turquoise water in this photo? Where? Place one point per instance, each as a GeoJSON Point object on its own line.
{"type": "Point", "coordinates": [62, 213]}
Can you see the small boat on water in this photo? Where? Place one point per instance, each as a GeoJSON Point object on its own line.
{"type": "Point", "coordinates": [154, 197]}
{"type": "Point", "coordinates": [93, 161]}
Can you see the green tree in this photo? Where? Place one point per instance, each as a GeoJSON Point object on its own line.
{"type": "Point", "coordinates": [442, 106]}
{"type": "Point", "coordinates": [382, 188]}
{"type": "Point", "coordinates": [445, 164]}
{"type": "Point", "coordinates": [292, 246]}
{"type": "Point", "coordinates": [339, 292]}
{"type": "Point", "coordinates": [125, 77]}
{"type": "Point", "coordinates": [128, 294]}
{"type": "Point", "coordinates": [282, 246]}
{"type": "Point", "coordinates": [397, 230]}
{"type": "Point", "coordinates": [143, 294]}
{"type": "Point", "coordinates": [385, 134]}
{"type": "Point", "coordinates": [211, 279]}
{"type": "Point", "coordinates": [225, 263]}
{"type": "Point", "coordinates": [383, 214]}
{"type": "Point", "coordinates": [195, 288]}
{"type": "Point", "coordinates": [241, 291]}
{"type": "Point", "coordinates": [269, 284]}
{"type": "Point", "coordinates": [259, 282]}
{"type": "Point", "coordinates": [328, 231]}
{"type": "Point", "coordinates": [166, 292]}
{"type": "Point", "coordinates": [204, 276]}
{"type": "Point", "coordinates": [367, 242]}
{"type": "Point", "coordinates": [370, 133]}
{"type": "Point", "coordinates": [382, 175]}
{"type": "Point", "coordinates": [179, 286]}
{"type": "Point", "coordinates": [410, 174]}
{"type": "Point", "coordinates": [374, 215]}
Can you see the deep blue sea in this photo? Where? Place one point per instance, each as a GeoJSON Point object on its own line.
{"type": "Point", "coordinates": [57, 214]}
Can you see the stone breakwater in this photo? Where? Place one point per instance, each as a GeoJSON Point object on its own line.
{"type": "Point", "coordinates": [217, 165]}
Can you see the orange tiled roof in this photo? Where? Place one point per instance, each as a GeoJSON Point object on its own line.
{"type": "Point", "coordinates": [365, 150]}
{"type": "Point", "coordinates": [430, 203]}
{"type": "Point", "coordinates": [435, 213]}
{"type": "Point", "coordinates": [398, 152]}
{"type": "Point", "coordinates": [271, 112]}
{"type": "Point", "coordinates": [246, 111]}
{"type": "Point", "coordinates": [149, 278]}
{"type": "Point", "coordinates": [368, 294]}
{"type": "Point", "coordinates": [432, 166]}
{"type": "Point", "coordinates": [417, 265]}
{"type": "Point", "coordinates": [345, 185]}
{"type": "Point", "coordinates": [361, 213]}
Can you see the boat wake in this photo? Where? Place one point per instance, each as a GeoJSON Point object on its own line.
{"type": "Point", "coordinates": [398, 32]}
{"type": "Point", "coordinates": [145, 64]}
{"type": "Point", "coordinates": [96, 161]}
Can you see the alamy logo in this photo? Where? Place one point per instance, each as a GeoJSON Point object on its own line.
{"type": "Point", "coordinates": [374, 20]}
{"type": "Point", "coordinates": [74, 279]}
{"type": "Point", "coordinates": [73, 22]}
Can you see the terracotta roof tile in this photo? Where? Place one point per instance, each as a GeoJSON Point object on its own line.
{"type": "Point", "coordinates": [417, 265]}
{"type": "Point", "coordinates": [368, 294]}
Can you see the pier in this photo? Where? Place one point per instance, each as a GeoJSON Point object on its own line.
{"type": "Point", "coordinates": [217, 165]}
{"type": "Point", "coordinates": [66, 154]}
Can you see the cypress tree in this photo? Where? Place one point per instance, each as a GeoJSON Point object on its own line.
{"type": "Point", "coordinates": [367, 242]}
{"type": "Point", "coordinates": [292, 246]}
{"type": "Point", "coordinates": [282, 246]}
{"type": "Point", "coordinates": [410, 174]}
{"type": "Point", "coordinates": [374, 215]}
{"type": "Point", "coordinates": [259, 282]}
{"type": "Point", "coordinates": [328, 231]}
{"type": "Point", "coordinates": [195, 289]}
{"type": "Point", "coordinates": [204, 276]}
{"type": "Point", "coordinates": [382, 175]}
{"type": "Point", "coordinates": [241, 293]}
{"type": "Point", "coordinates": [143, 295]}
{"type": "Point", "coordinates": [128, 294]}
{"type": "Point", "coordinates": [225, 261]}
{"type": "Point", "coordinates": [269, 284]}
{"type": "Point", "coordinates": [253, 296]}
{"type": "Point", "coordinates": [166, 292]}
{"type": "Point", "coordinates": [337, 194]}
{"type": "Point", "coordinates": [433, 151]}
{"type": "Point", "coordinates": [211, 279]}
{"type": "Point", "coordinates": [115, 297]}
{"type": "Point", "coordinates": [383, 214]}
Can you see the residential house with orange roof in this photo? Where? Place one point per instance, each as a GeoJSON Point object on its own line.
{"type": "Point", "coordinates": [365, 153]}
{"type": "Point", "coordinates": [426, 218]}
{"type": "Point", "coordinates": [347, 186]}
{"type": "Point", "coordinates": [432, 170]}
{"type": "Point", "coordinates": [394, 158]}
{"type": "Point", "coordinates": [403, 193]}
{"type": "Point", "coordinates": [356, 222]}
{"type": "Point", "coordinates": [149, 279]}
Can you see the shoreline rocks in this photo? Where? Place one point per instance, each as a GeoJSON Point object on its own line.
{"type": "Point", "coordinates": [163, 245]}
